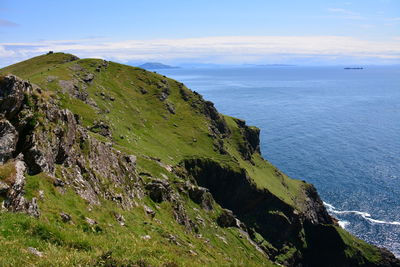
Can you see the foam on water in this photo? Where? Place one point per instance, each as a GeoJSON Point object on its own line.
{"type": "Point", "coordinates": [343, 224]}
{"type": "Point", "coordinates": [365, 215]}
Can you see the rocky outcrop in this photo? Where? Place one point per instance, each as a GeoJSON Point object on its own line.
{"type": "Point", "coordinates": [227, 219]}
{"type": "Point", "coordinates": [218, 123]}
{"type": "Point", "coordinates": [59, 141]}
{"type": "Point", "coordinates": [159, 190]}
{"type": "Point", "coordinates": [12, 95]}
{"type": "Point", "coordinates": [15, 200]}
{"type": "Point", "coordinates": [8, 140]}
{"type": "Point", "coordinates": [278, 222]}
{"type": "Point", "coordinates": [201, 196]}
{"type": "Point", "coordinates": [251, 139]}
{"type": "Point", "coordinates": [249, 204]}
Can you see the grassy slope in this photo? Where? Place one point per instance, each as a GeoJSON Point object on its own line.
{"type": "Point", "coordinates": [142, 119]}
{"type": "Point", "coordinates": [78, 243]}
{"type": "Point", "coordinates": [142, 126]}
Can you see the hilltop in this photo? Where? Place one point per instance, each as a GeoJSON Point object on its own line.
{"type": "Point", "coordinates": [103, 164]}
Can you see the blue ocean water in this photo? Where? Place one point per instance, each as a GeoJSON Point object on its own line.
{"type": "Point", "coordinates": [338, 129]}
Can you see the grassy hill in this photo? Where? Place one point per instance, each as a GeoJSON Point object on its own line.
{"type": "Point", "coordinates": [125, 167]}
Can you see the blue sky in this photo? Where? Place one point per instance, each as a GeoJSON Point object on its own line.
{"type": "Point", "coordinates": [252, 31]}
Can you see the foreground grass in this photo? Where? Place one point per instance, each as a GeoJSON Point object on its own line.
{"type": "Point", "coordinates": [77, 243]}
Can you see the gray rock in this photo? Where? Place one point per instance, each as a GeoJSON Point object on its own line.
{"type": "Point", "coordinates": [101, 128]}
{"type": "Point", "coordinates": [74, 88]}
{"type": "Point", "coordinates": [149, 211]}
{"type": "Point", "coordinates": [51, 78]}
{"type": "Point", "coordinates": [65, 217]}
{"type": "Point", "coordinates": [159, 190]}
{"type": "Point", "coordinates": [201, 196]}
{"type": "Point", "coordinates": [173, 239]}
{"type": "Point", "coordinates": [170, 107]}
{"type": "Point", "coordinates": [131, 159]}
{"type": "Point", "coordinates": [146, 237]}
{"type": "Point", "coordinates": [35, 252]}
{"type": "Point", "coordinates": [32, 208]}
{"type": "Point", "coordinates": [3, 187]}
{"type": "Point", "coordinates": [8, 140]}
{"type": "Point", "coordinates": [15, 200]}
{"type": "Point", "coordinates": [88, 77]}
{"type": "Point", "coordinates": [120, 219]}
{"type": "Point", "coordinates": [12, 90]}
{"type": "Point", "coordinates": [90, 221]}
{"type": "Point", "coordinates": [58, 183]}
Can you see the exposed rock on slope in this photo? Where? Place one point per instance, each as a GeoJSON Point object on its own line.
{"type": "Point", "coordinates": [182, 183]}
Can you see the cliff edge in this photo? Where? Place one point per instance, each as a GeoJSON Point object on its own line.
{"type": "Point", "coordinates": [103, 164]}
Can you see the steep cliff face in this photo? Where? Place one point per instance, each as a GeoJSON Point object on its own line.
{"type": "Point", "coordinates": [117, 166]}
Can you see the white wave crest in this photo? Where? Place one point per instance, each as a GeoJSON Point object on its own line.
{"type": "Point", "coordinates": [364, 215]}
{"type": "Point", "coordinates": [343, 224]}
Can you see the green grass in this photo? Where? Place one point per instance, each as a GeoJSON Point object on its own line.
{"type": "Point", "coordinates": [77, 243]}
{"type": "Point", "coordinates": [356, 246]}
{"type": "Point", "coordinates": [140, 124]}
{"type": "Point", "coordinates": [7, 172]}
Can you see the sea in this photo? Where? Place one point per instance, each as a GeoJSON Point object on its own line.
{"type": "Point", "coordinates": [335, 128]}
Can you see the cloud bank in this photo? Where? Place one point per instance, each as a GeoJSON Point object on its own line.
{"type": "Point", "coordinates": [226, 49]}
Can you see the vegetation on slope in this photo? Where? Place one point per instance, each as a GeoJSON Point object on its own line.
{"type": "Point", "coordinates": [98, 210]}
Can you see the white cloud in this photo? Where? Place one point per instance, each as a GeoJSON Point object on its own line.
{"type": "Point", "coordinates": [224, 49]}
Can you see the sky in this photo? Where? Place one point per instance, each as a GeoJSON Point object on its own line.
{"type": "Point", "coordinates": [307, 32]}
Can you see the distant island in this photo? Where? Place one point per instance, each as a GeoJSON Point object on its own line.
{"type": "Point", "coordinates": [156, 65]}
{"type": "Point", "coordinates": [354, 68]}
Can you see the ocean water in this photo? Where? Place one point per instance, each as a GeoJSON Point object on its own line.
{"type": "Point", "coordinates": [338, 129]}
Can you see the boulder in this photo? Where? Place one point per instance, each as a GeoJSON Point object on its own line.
{"type": "Point", "coordinates": [201, 196]}
{"type": "Point", "coordinates": [131, 159]}
{"type": "Point", "coordinates": [149, 211]}
{"type": "Point", "coordinates": [90, 221]}
{"type": "Point", "coordinates": [88, 77]}
{"type": "Point", "coordinates": [120, 219]}
{"type": "Point", "coordinates": [102, 129]}
{"type": "Point", "coordinates": [65, 217]}
{"type": "Point", "coordinates": [35, 252]}
{"type": "Point", "coordinates": [159, 190]}
{"type": "Point", "coordinates": [227, 219]}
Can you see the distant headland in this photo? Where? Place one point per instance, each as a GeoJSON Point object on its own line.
{"type": "Point", "coordinates": [156, 65]}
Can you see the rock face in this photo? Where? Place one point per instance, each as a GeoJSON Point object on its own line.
{"type": "Point", "coordinates": [82, 160]}
{"type": "Point", "coordinates": [8, 140]}
{"type": "Point", "coordinates": [12, 95]}
{"type": "Point", "coordinates": [279, 223]}
{"type": "Point", "coordinates": [251, 139]}
{"type": "Point", "coordinates": [201, 196]}
{"type": "Point", "coordinates": [15, 200]}
{"type": "Point", "coordinates": [227, 219]}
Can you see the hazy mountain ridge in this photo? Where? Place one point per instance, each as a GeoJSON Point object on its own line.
{"type": "Point", "coordinates": [156, 65]}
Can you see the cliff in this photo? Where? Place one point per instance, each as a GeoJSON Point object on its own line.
{"type": "Point", "coordinates": [103, 164]}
